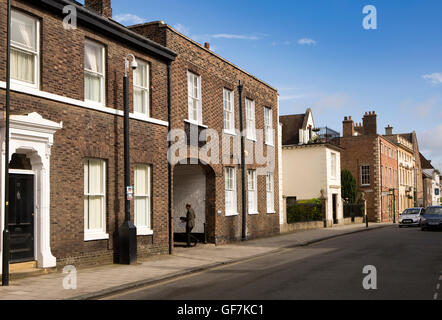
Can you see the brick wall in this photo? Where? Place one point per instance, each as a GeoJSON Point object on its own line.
{"type": "Point", "coordinates": [217, 74]}
{"type": "Point", "coordinates": [89, 133]}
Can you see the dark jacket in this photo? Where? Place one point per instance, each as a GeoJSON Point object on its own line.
{"type": "Point", "coordinates": [190, 218]}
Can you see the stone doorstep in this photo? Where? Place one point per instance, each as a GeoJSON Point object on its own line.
{"type": "Point", "coordinates": [27, 269]}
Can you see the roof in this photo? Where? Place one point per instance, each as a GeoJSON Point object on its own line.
{"type": "Point", "coordinates": [200, 46]}
{"type": "Point", "coordinates": [408, 136]}
{"type": "Point", "coordinates": [109, 27]}
{"type": "Point", "coordinates": [291, 125]}
{"type": "Point", "coordinates": [425, 164]}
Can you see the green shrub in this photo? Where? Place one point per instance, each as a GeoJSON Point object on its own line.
{"type": "Point", "coordinates": [305, 211]}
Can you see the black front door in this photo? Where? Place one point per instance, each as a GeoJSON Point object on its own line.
{"type": "Point", "coordinates": [21, 217]}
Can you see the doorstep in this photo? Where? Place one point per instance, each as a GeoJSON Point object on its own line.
{"type": "Point", "coordinates": [27, 269]}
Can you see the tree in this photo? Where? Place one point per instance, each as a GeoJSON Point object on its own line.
{"type": "Point", "coordinates": [349, 186]}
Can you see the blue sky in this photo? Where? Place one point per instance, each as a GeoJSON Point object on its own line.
{"type": "Point", "coordinates": [317, 54]}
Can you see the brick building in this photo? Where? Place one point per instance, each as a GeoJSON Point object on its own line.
{"type": "Point", "coordinates": [372, 160]}
{"type": "Point", "coordinates": [66, 146]}
{"type": "Point", "coordinates": [205, 96]}
{"type": "Point", "coordinates": [66, 157]}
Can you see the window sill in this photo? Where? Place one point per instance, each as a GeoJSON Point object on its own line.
{"type": "Point", "coordinates": [144, 231]}
{"type": "Point", "coordinates": [270, 144]}
{"type": "Point", "coordinates": [252, 139]}
{"type": "Point", "coordinates": [271, 212]}
{"type": "Point", "coordinates": [253, 213]}
{"type": "Point", "coordinates": [24, 84]}
{"type": "Point", "coordinates": [196, 123]}
{"type": "Point", "coordinates": [229, 132]}
{"type": "Point", "coordinates": [232, 214]}
{"type": "Point", "coordinates": [94, 236]}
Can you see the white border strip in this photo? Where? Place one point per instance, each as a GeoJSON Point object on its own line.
{"type": "Point", "coordinates": [78, 103]}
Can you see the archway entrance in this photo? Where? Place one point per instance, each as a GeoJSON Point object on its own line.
{"type": "Point", "coordinates": [195, 185]}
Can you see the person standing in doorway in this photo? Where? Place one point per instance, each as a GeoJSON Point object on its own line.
{"type": "Point", "coordinates": [190, 222]}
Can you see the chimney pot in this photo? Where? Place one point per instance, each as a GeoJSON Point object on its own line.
{"type": "Point", "coordinates": [207, 45]}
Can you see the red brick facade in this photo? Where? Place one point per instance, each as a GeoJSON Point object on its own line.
{"type": "Point", "coordinates": [91, 133]}
{"type": "Point", "coordinates": [97, 132]}
{"type": "Point", "coordinates": [216, 74]}
{"type": "Point", "coordinates": [364, 148]}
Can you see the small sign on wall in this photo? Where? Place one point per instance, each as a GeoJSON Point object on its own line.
{"type": "Point", "coordinates": [130, 193]}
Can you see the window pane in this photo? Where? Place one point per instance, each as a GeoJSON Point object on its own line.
{"type": "Point", "coordinates": [95, 212]}
{"type": "Point", "coordinates": [141, 211]}
{"type": "Point", "coordinates": [92, 90]}
{"type": "Point", "coordinates": [140, 101]}
{"type": "Point", "coordinates": [23, 31]}
{"type": "Point", "coordinates": [96, 177]}
{"type": "Point", "coordinates": [141, 180]}
{"type": "Point", "coordinates": [22, 66]}
{"type": "Point", "coordinates": [141, 75]}
{"type": "Point", "coordinates": [93, 58]}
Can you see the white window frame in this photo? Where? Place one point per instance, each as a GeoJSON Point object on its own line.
{"type": "Point", "coordinates": [250, 120]}
{"type": "Point", "coordinates": [192, 100]}
{"type": "Point", "coordinates": [143, 230]}
{"type": "Point", "coordinates": [364, 175]}
{"type": "Point", "coordinates": [268, 126]}
{"type": "Point", "coordinates": [97, 234]}
{"type": "Point", "coordinates": [145, 90]}
{"type": "Point", "coordinates": [229, 126]}
{"type": "Point", "coordinates": [102, 76]}
{"type": "Point", "coordinates": [230, 191]}
{"type": "Point", "coordinates": [270, 193]}
{"type": "Point", "coordinates": [18, 47]}
{"type": "Point", "coordinates": [252, 189]}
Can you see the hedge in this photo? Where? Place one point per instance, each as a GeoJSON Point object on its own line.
{"type": "Point", "coordinates": [305, 211]}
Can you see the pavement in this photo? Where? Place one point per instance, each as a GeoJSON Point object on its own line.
{"type": "Point", "coordinates": [98, 282]}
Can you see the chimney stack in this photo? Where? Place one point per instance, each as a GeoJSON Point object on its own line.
{"type": "Point", "coordinates": [370, 123]}
{"type": "Point", "coordinates": [348, 126]}
{"type": "Point", "coordinates": [389, 131]}
{"type": "Point", "coordinates": [207, 45]}
{"type": "Point", "coordinates": [102, 7]}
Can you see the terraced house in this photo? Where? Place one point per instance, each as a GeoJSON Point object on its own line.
{"type": "Point", "coordinates": [373, 161]}
{"type": "Point", "coordinates": [66, 147]}
{"type": "Point", "coordinates": [206, 103]}
{"type": "Point", "coordinates": [66, 143]}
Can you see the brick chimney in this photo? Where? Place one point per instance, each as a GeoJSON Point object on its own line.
{"type": "Point", "coordinates": [348, 126]}
{"type": "Point", "coordinates": [207, 45]}
{"type": "Point", "coordinates": [389, 131]}
{"type": "Point", "coordinates": [102, 7]}
{"type": "Point", "coordinates": [370, 123]}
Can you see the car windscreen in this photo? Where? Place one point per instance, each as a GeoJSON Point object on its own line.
{"type": "Point", "coordinates": [436, 210]}
{"type": "Point", "coordinates": [412, 211]}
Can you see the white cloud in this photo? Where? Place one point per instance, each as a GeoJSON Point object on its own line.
{"type": "Point", "coordinates": [234, 36]}
{"type": "Point", "coordinates": [307, 41]}
{"type": "Point", "coordinates": [291, 97]}
{"type": "Point", "coordinates": [431, 145]}
{"type": "Point", "coordinates": [182, 29]}
{"type": "Point", "coordinates": [128, 19]}
{"type": "Point", "coordinates": [423, 109]}
{"type": "Point", "coordinates": [434, 78]}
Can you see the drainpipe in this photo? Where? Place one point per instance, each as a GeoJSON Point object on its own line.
{"type": "Point", "coordinates": [6, 235]}
{"type": "Point", "coordinates": [169, 167]}
{"type": "Point", "coordinates": [243, 165]}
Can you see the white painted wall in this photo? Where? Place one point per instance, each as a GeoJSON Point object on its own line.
{"type": "Point", "coordinates": [304, 134]}
{"type": "Point", "coordinates": [307, 170]}
{"type": "Point", "coordinates": [189, 186]}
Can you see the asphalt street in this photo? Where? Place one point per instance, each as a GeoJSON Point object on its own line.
{"type": "Point", "coordinates": [408, 264]}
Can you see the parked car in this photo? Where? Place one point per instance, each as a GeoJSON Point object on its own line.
{"type": "Point", "coordinates": [411, 217]}
{"type": "Point", "coordinates": [432, 219]}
